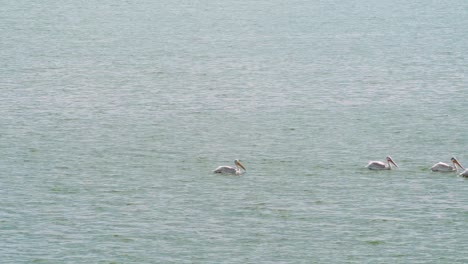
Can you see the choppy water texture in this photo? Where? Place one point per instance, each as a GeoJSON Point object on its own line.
{"type": "Point", "coordinates": [114, 114]}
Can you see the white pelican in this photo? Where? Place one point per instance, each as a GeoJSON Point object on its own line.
{"type": "Point", "coordinates": [379, 165]}
{"type": "Point", "coordinates": [444, 167]}
{"type": "Point", "coordinates": [231, 170]}
{"type": "Point", "coordinates": [464, 173]}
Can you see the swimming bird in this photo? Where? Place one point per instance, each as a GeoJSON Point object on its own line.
{"type": "Point", "coordinates": [380, 165]}
{"type": "Point", "coordinates": [444, 167]}
{"type": "Point", "coordinates": [464, 173]}
{"type": "Point", "coordinates": [231, 170]}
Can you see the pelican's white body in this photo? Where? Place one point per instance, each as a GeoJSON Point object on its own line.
{"type": "Point", "coordinates": [228, 170]}
{"type": "Point", "coordinates": [464, 173]}
{"type": "Point", "coordinates": [379, 165]}
{"type": "Point", "coordinates": [443, 167]}
{"type": "Point", "coordinates": [238, 170]}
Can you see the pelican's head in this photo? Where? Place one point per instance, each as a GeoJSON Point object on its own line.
{"type": "Point", "coordinates": [390, 160]}
{"type": "Point", "coordinates": [455, 162]}
{"type": "Point", "coordinates": [238, 163]}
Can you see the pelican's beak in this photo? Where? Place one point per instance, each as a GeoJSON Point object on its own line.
{"type": "Point", "coordinates": [391, 161]}
{"type": "Point", "coordinates": [455, 161]}
{"type": "Point", "coordinates": [241, 165]}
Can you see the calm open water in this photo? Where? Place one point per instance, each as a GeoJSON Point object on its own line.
{"type": "Point", "coordinates": [114, 113]}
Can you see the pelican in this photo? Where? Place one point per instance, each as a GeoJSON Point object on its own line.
{"type": "Point", "coordinates": [231, 170]}
{"type": "Point", "coordinates": [444, 167]}
{"type": "Point", "coordinates": [464, 173]}
{"type": "Point", "coordinates": [380, 165]}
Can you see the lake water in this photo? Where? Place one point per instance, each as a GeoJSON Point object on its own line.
{"type": "Point", "coordinates": [114, 114]}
